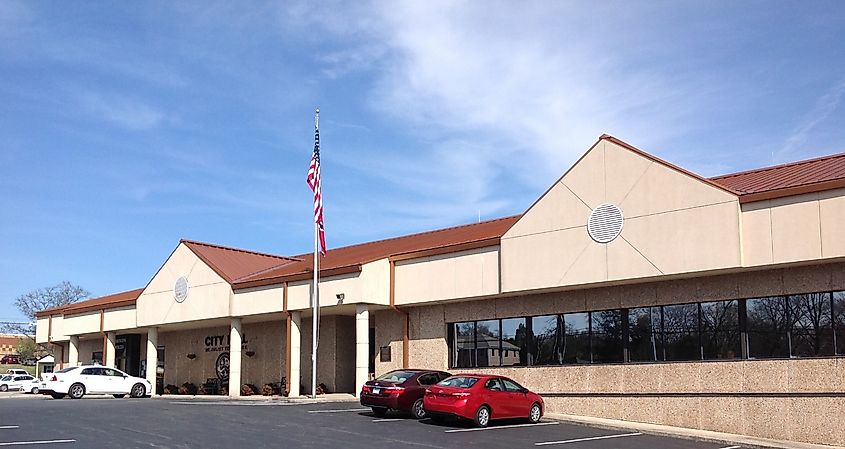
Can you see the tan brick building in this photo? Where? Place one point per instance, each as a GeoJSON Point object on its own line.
{"type": "Point", "coordinates": [632, 289]}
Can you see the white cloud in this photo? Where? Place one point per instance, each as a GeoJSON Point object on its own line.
{"type": "Point", "coordinates": [124, 111]}
{"type": "Point", "coordinates": [824, 107]}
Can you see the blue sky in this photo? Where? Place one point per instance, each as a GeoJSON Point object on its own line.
{"type": "Point", "coordinates": [125, 126]}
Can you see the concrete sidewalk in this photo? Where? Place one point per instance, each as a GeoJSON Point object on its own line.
{"type": "Point", "coordinates": [323, 398]}
{"type": "Point", "coordinates": [682, 432]}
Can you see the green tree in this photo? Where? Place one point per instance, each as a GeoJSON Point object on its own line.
{"type": "Point", "coordinates": [27, 348]}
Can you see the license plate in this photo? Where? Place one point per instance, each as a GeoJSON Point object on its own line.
{"type": "Point", "coordinates": [376, 390]}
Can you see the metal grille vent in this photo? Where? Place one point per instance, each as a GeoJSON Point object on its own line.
{"type": "Point", "coordinates": [605, 223]}
{"type": "Point", "coordinates": [180, 289]}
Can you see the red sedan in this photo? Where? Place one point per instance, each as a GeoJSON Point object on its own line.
{"type": "Point", "coordinates": [481, 398]}
{"type": "Point", "coordinates": [400, 390]}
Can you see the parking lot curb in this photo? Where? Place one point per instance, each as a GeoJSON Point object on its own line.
{"type": "Point", "coordinates": [323, 399]}
{"type": "Point", "coordinates": [686, 433]}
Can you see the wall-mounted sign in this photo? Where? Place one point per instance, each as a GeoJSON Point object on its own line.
{"type": "Point", "coordinates": [219, 343]}
{"type": "Point", "coordinates": [180, 289]}
{"type": "Point", "coordinates": [221, 366]}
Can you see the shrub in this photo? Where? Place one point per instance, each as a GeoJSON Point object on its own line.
{"type": "Point", "coordinates": [188, 388]}
{"type": "Point", "coordinates": [171, 389]}
{"type": "Point", "coordinates": [248, 390]}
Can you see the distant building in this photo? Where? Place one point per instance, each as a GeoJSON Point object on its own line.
{"type": "Point", "coordinates": [9, 343]}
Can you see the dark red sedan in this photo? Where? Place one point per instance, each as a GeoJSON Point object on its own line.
{"type": "Point", "coordinates": [400, 390]}
{"type": "Point", "coordinates": [482, 398]}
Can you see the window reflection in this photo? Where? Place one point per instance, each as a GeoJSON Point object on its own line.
{"type": "Point", "coordinates": [644, 331]}
{"type": "Point", "coordinates": [464, 345]}
{"type": "Point", "coordinates": [576, 341]}
{"type": "Point", "coordinates": [720, 334]}
{"type": "Point", "coordinates": [839, 321]}
{"type": "Point", "coordinates": [607, 336]}
{"type": "Point", "coordinates": [487, 343]}
{"type": "Point", "coordinates": [547, 345]}
{"type": "Point", "coordinates": [514, 342]}
{"type": "Point", "coordinates": [811, 325]}
{"type": "Point", "coordinates": [767, 327]}
{"type": "Point", "coordinates": [680, 332]}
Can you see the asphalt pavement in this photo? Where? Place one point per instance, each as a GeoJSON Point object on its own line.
{"type": "Point", "coordinates": [105, 422]}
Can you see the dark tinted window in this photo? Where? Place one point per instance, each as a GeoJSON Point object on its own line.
{"type": "Point", "coordinates": [607, 336]}
{"type": "Point", "coordinates": [494, 385]}
{"type": "Point", "coordinates": [720, 334]}
{"type": "Point", "coordinates": [644, 335]}
{"type": "Point", "coordinates": [512, 386]}
{"type": "Point", "coordinates": [680, 332]}
{"type": "Point", "coordinates": [396, 377]}
{"type": "Point", "coordinates": [547, 345]}
{"type": "Point", "coordinates": [487, 343]}
{"type": "Point", "coordinates": [839, 321]}
{"type": "Point", "coordinates": [576, 338]}
{"type": "Point", "coordinates": [464, 345]}
{"type": "Point", "coordinates": [428, 379]}
{"type": "Point", "coordinates": [514, 342]}
{"type": "Point", "coordinates": [767, 327]}
{"type": "Point", "coordinates": [811, 329]}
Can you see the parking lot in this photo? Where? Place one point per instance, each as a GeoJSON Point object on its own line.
{"type": "Point", "coordinates": [143, 423]}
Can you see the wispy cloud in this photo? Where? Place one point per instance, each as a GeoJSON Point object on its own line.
{"type": "Point", "coordinates": [824, 107]}
{"type": "Point", "coordinates": [123, 110]}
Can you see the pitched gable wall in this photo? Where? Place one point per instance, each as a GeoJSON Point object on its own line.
{"type": "Point", "coordinates": [674, 223]}
{"type": "Point", "coordinates": [209, 294]}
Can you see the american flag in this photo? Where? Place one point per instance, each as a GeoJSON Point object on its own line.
{"type": "Point", "coordinates": [314, 182]}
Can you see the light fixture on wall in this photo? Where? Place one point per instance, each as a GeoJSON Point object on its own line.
{"type": "Point", "coordinates": [192, 356]}
{"type": "Point", "coordinates": [340, 297]}
{"type": "Point", "coordinates": [249, 353]}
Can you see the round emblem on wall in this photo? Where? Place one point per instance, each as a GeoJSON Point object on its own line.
{"type": "Point", "coordinates": [221, 366]}
{"type": "Point", "coordinates": [605, 223]}
{"type": "Point", "coordinates": [180, 289]}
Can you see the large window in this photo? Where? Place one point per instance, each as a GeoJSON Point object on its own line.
{"type": "Point", "coordinates": [514, 342]}
{"type": "Point", "coordinates": [644, 335]}
{"type": "Point", "coordinates": [720, 332]}
{"type": "Point", "coordinates": [547, 341]}
{"type": "Point", "coordinates": [804, 325]}
{"type": "Point", "coordinates": [576, 338]}
{"type": "Point", "coordinates": [607, 336]}
{"type": "Point", "coordinates": [811, 325]}
{"type": "Point", "coordinates": [839, 321]}
{"type": "Point", "coordinates": [680, 332]}
{"type": "Point", "coordinates": [767, 327]}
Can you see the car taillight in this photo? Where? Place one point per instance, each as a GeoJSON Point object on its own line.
{"type": "Point", "coordinates": [54, 378]}
{"type": "Point", "coordinates": [462, 394]}
{"type": "Point", "coordinates": [366, 389]}
{"type": "Point", "coordinates": [394, 390]}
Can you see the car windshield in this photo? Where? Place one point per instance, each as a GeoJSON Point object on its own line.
{"type": "Point", "coordinates": [396, 377]}
{"type": "Point", "coordinates": [458, 382]}
{"type": "Point", "coordinates": [66, 370]}
{"type": "Point", "coordinates": [5, 378]}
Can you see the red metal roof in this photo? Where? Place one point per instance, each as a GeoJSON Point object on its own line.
{"type": "Point", "coordinates": [121, 299]}
{"type": "Point", "coordinates": [233, 263]}
{"type": "Point", "coordinates": [795, 178]}
{"type": "Point", "coordinates": [350, 258]}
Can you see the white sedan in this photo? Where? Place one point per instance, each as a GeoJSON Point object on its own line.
{"type": "Point", "coordinates": [77, 381]}
{"type": "Point", "coordinates": [19, 382]}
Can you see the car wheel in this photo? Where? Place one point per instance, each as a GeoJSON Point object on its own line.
{"type": "Point", "coordinates": [119, 396]}
{"type": "Point", "coordinates": [138, 391]}
{"type": "Point", "coordinates": [482, 416]}
{"type": "Point", "coordinates": [418, 410]}
{"type": "Point", "coordinates": [57, 395]}
{"type": "Point", "coordinates": [4, 388]}
{"type": "Point", "coordinates": [379, 411]}
{"type": "Point", "coordinates": [535, 413]}
{"type": "Point", "coordinates": [76, 391]}
{"type": "Point", "coordinates": [34, 390]}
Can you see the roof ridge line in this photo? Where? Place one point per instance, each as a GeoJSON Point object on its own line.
{"type": "Point", "coordinates": [775, 167]}
{"type": "Point", "coordinates": [419, 233]}
{"type": "Point", "coordinates": [265, 270]}
{"type": "Point", "coordinates": [231, 248]}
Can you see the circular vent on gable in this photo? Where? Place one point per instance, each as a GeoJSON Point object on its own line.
{"type": "Point", "coordinates": [605, 223]}
{"type": "Point", "coordinates": [180, 289]}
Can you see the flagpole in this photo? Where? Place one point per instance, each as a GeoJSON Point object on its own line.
{"type": "Point", "coordinates": [315, 292]}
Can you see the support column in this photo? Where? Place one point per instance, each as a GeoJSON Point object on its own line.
{"type": "Point", "coordinates": [152, 357]}
{"type": "Point", "coordinates": [295, 354]}
{"type": "Point", "coordinates": [73, 351]}
{"type": "Point", "coordinates": [111, 355]}
{"type": "Point", "coordinates": [235, 358]}
{"type": "Point", "coordinates": [362, 346]}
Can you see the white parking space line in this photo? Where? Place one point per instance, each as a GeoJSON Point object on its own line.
{"type": "Point", "coordinates": [388, 420]}
{"type": "Point", "coordinates": [341, 410]}
{"type": "Point", "coordinates": [29, 443]}
{"type": "Point", "coordinates": [9, 427]}
{"type": "Point", "coordinates": [478, 429]}
{"type": "Point", "coordinates": [620, 435]}
{"type": "Point", "coordinates": [730, 447]}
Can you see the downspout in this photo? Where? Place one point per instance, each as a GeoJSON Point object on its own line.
{"type": "Point", "coordinates": [288, 327]}
{"type": "Point", "coordinates": [407, 328]}
{"type": "Point", "coordinates": [105, 337]}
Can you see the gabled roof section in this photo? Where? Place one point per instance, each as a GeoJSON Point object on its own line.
{"type": "Point", "coordinates": [350, 258]}
{"type": "Point", "coordinates": [795, 178]}
{"type": "Point", "coordinates": [233, 263]}
{"type": "Point", "coordinates": [122, 299]}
